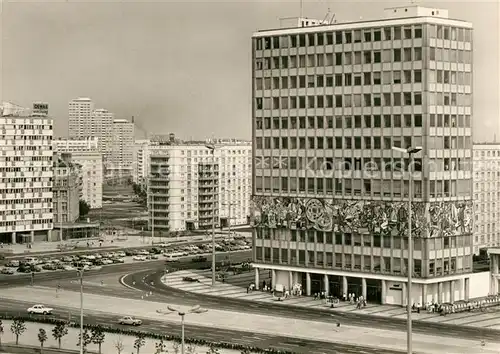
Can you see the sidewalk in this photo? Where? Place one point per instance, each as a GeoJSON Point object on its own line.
{"type": "Point", "coordinates": [237, 289]}
{"type": "Point", "coordinates": [311, 330]}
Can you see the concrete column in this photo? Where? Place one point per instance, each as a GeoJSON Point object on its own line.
{"type": "Point", "coordinates": [49, 236]}
{"type": "Point", "coordinates": [344, 286]}
{"type": "Point", "coordinates": [13, 240]}
{"type": "Point", "coordinates": [257, 281]}
{"type": "Point", "coordinates": [403, 295]}
{"type": "Point", "coordinates": [384, 291]}
{"type": "Point", "coordinates": [440, 293]}
{"type": "Point", "coordinates": [466, 289]}
{"type": "Point", "coordinates": [273, 278]}
{"type": "Point", "coordinates": [326, 280]}
{"type": "Point", "coordinates": [494, 263]}
{"type": "Point", "coordinates": [363, 288]}
{"type": "Point", "coordinates": [308, 284]}
{"type": "Point", "coordinates": [424, 294]}
{"type": "Point", "coordinates": [290, 280]}
{"type": "Point", "coordinates": [32, 236]}
{"type": "Point", "coordinates": [452, 291]}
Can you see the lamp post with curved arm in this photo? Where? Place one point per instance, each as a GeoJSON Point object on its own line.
{"type": "Point", "coordinates": [214, 181]}
{"type": "Point", "coordinates": [410, 151]}
{"type": "Point", "coordinates": [170, 309]}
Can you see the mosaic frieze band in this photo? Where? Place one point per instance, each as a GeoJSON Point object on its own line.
{"type": "Point", "coordinates": [440, 219]}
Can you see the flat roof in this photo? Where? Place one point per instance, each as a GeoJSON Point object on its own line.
{"type": "Point", "coordinates": [363, 24]}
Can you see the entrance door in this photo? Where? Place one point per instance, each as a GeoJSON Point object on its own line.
{"type": "Point", "coordinates": [374, 291]}
{"type": "Point", "coordinates": [335, 289]}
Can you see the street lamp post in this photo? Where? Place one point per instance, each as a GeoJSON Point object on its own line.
{"type": "Point", "coordinates": [80, 274]}
{"type": "Point", "coordinates": [229, 204]}
{"type": "Point", "coordinates": [212, 150]}
{"type": "Point", "coordinates": [171, 309]}
{"type": "Point", "coordinates": [410, 151]}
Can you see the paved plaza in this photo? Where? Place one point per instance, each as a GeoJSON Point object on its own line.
{"type": "Point", "coordinates": [274, 325]}
{"type": "Point", "coordinates": [236, 289]}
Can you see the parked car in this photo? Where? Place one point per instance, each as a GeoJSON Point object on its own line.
{"type": "Point", "coordinates": [118, 260]}
{"type": "Point", "coordinates": [129, 321]}
{"type": "Point", "coordinates": [139, 258]}
{"type": "Point", "coordinates": [199, 259]}
{"type": "Point", "coordinates": [40, 310]}
{"type": "Point", "coordinates": [13, 264]}
{"type": "Point", "coordinates": [8, 271]}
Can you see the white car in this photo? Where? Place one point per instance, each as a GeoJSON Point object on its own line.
{"type": "Point", "coordinates": [139, 258]}
{"type": "Point", "coordinates": [129, 320]}
{"type": "Point", "coordinates": [68, 267]}
{"type": "Point", "coordinates": [40, 310]}
{"type": "Point", "coordinates": [121, 254]}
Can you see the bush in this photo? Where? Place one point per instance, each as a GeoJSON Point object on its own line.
{"type": "Point", "coordinates": [140, 334]}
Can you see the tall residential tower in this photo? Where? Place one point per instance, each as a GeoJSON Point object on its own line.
{"type": "Point", "coordinates": [330, 195]}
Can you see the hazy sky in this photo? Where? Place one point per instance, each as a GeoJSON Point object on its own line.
{"type": "Point", "coordinates": [184, 67]}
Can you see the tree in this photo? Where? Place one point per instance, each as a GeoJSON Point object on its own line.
{"type": "Point", "coordinates": [245, 351]}
{"type": "Point", "coordinates": [42, 336]}
{"type": "Point", "coordinates": [1, 332]}
{"type": "Point", "coordinates": [213, 350]}
{"type": "Point", "coordinates": [161, 347]}
{"type": "Point", "coordinates": [18, 327]}
{"type": "Point", "coordinates": [119, 345]}
{"type": "Point", "coordinates": [97, 337]}
{"type": "Point", "coordinates": [176, 347]}
{"type": "Point", "coordinates": [87, 339]}
{"type": "Point", "coordinates": [84, 208]}
{"type": "Point", "coordinates": [139, 342]}
{"type": "Point", "coordinates": [58, 332]}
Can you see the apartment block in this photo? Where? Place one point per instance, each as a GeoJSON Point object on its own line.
{"type": "Point", "coordinates": [193, 185]}
{"type": "Point", "coordinates": [140, 160]}
{"type": "Point", "coordinates": [85, 121]}
{"type": "Point", "coordinates": [26, 175]}
{"type": "Point", "coordinates": [122, 148]}
{"type": "Point", "coordinates": [486, 196]}
{"type": "Point", "coordinates": [330, 195]}
{"type": "Point", "coordinates": [85, 152]}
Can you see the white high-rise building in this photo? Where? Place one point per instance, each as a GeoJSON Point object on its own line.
{"type": "Point", "coordinates": [80, 117]}
{"type": "Point", "coordinates": [26, 175]}
{"type": "Point", "coordinates": [486, 163]}
{"type": "Point", "coordinates": [122, 147]}
{"type": "Point", "coordinates": [188, 186]}
{"type": "Point", "coordinates": [85, 121]}
{"type": "Point", "coordinates": [140, 161]}
{"type": "Point", "coordinates": [85, 152]}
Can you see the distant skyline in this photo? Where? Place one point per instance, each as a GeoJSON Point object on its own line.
{"type": "Point", "coordinates": [185, 67]}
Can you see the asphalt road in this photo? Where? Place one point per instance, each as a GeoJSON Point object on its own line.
{"type": "Point", "coordinates": [25, 279]}
{"type": "Point", "coordinates": [143, 282]}
{"type": "Point", "coordinates": [163, 293]}
{"type": "Point", "coordinates": [14, 308]}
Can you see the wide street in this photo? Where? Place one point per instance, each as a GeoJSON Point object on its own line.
{"type": "Point", "coordinates": [142, 282]}
{"type": "Point", "coordinates": [25, 279]}
{"type": "Point", "coordinates": [213, 334]}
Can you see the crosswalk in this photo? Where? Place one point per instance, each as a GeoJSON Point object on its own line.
{"type": "Point", "coordinates": [235, 287]}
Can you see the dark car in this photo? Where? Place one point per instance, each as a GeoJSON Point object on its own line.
{"type": "Point", "coordinates": [190, 280]}
{"type": "Point", "coordinates": [199, 259]}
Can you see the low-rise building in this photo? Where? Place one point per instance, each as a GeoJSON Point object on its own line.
{"type": "Point", "coordinates": [194, 184]}
{"type": "Point", "coordinates": [486, 187]}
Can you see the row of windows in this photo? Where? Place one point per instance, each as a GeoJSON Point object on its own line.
{"type": "Point", "coordinates": [326, 165]}
{"type": "Point", "coordinates": [359, 187]}
{"type": "Point", "coordinates": [362, 79]}
{"type": "Point", "coordinates": [359, 143]}
{"type": "Point", "coordinates": [388, 265]}
{"type": "Point", "coordinates": [396, 99]}
{"type": "Point", "coordinates": [365, 57]}
{"type": "Point", "coordinates": [366, 35]}
{"type": "Point", "coordinates": [365, 121]}
{"type": "Point", "coordinates": [356, 239]}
